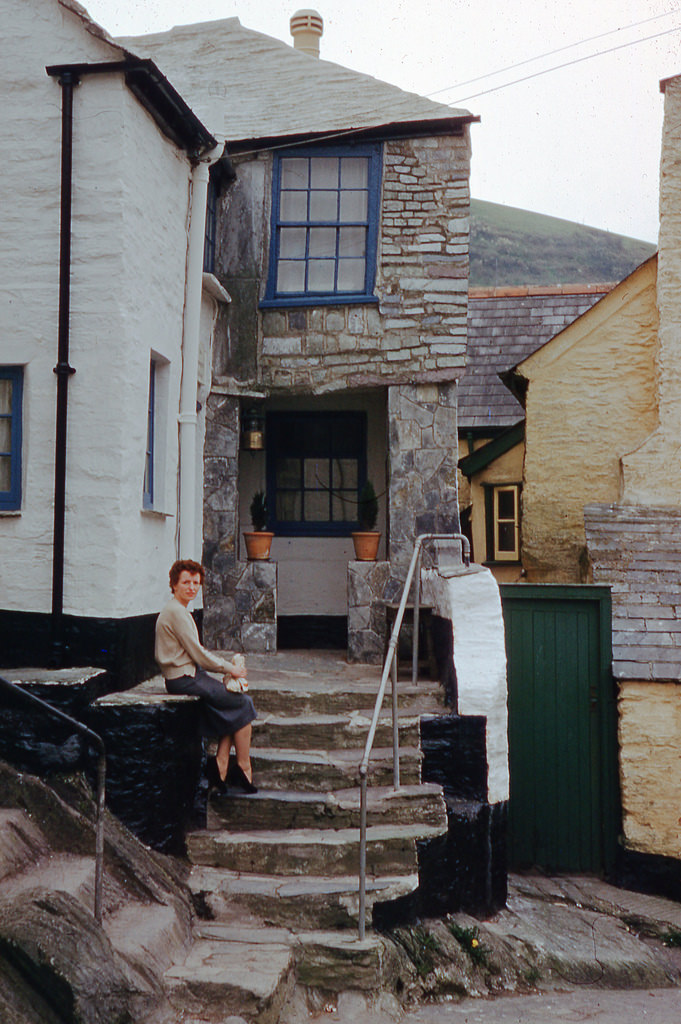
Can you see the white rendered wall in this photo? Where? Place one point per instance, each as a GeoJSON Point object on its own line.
{"type": "Point", "coordinates": [472, 603]}
{"type": "Point", "coordinates": [130, 206]}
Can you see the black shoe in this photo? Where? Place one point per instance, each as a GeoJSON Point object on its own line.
{"type": "Point", "coordinates": [237, 777]}
{"type": "Point", "coordinates": [213, 775]}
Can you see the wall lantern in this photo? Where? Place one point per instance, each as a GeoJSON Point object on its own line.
{"type": "Point", "coordinates": [252, 430]}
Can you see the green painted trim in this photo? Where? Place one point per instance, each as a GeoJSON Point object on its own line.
{"type": "Point", "coordinates": [472, 464]}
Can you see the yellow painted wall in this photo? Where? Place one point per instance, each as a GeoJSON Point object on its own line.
{"type": "Point", "coordinates": [507, 469]}
{"type": "Point", "coordinates": [650, 766]}
{"type": "Point", "coordinates": [591, 399]}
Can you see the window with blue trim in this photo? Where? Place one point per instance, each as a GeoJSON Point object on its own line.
{"type": "Point", "coordinates": [11, 395]}
{"type": "Point", "coordinates": [325, 209]}
{"type": "Point", "coordinates": [316, 465]}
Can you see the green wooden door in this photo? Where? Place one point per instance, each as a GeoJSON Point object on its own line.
{"type": "Point", "coordinates": [564, 803]}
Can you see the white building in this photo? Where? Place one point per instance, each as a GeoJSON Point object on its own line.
{"type": "Point", "coordinates": [134, 349]}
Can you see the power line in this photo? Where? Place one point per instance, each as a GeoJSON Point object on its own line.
{"type": "Point", "coordinates": [341, 133]}
{"type": "Point", "coordinates": [551, 53]}
{"type": "Point", "coordinates": [559, 67]}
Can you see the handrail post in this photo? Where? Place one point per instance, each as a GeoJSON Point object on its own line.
{"type": "Point", "coordinates": [416, 620]}
{"type": "Point", "coordinates": [396, 727]}
{"type": "Point", "coordinates": [362, 851]}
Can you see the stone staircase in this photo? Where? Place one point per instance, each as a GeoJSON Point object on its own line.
{"type": "Point", "coordinates": [276, 873]}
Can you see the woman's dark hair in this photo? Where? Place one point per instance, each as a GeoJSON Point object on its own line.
{"type": "Point", "coordinates": [185, 565]}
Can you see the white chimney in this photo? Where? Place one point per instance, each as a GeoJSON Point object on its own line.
{"type": "Point", "coordinates": [307, 28]}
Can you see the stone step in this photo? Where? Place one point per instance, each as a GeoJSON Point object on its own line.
{"type": "Point", "coordinates": [60, 873]}
{"type": "Point", "coordinates": [326, 770]}
{"type": "Point", "coordinates": [293, 810]}
{"type": "Point", "coordinates": [150, 934]}
{"type": "Point", "coordinates": [233, 971]}
{"type": "Point", "coordinates": [273, 698]}
{"type": "Point", "coordinates": [297, 901]}
{"type": "Point", "coordinates": [338, 961]}
{"type": "Point", "coordinates": [391, 850]}
{"type": "Point", "coordinates": [327, 732]}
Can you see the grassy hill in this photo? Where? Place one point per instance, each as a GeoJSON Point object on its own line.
{"type": "Point", "coordinates": [511, 246]}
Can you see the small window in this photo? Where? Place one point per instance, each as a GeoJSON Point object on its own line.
{"type": "Point", "coordinates": [503, 522]}
{"type": "Point", "coordinates": [11, 395]}
{"type": "Point", "coordinates": [316, 465]}
{"type": "Point", "coordinates": [324, 225]}
{"type": "Point", "coordinates": [211, 227]}
{"type": "Point", "coordinates": [148, 488]}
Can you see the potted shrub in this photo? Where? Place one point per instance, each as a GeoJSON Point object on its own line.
{"type": "Point", "coordinates": [366, 538]}
{"type": "Point", "coordinates": [259, 541]}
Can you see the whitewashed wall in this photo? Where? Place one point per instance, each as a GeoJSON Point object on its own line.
{"type": "Point", "coordinates": [130, 209]}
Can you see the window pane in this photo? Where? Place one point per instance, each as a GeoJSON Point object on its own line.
{"type": "Point", "coordinates": [320, 275]}
{"type": "Point", "coordinates": [323, 206]}
{"type": "Point", "coordinates": [344, 506]}
{"type": "Point", "coordinates": [316, 506]}
{"type": "Point", "coordinates": [506, 504]}
{"type": "Point", "coordinates": [317, 437]}
{"type": "Point", "coordinates": [345, 474]}
{"type": "Point", "coordinates": [324, 172]}
{"type": "Point", "coordinates": [351, 275]}
{"type": "Point", "coordinates": [506, 537]}
{"type": "Point", "coordinates": [353, 206]}
{"type": "Point", "coordinates": [5, 396]}
{"type": "Point", "coordinates": [291, 276]}
{"type": "Point", "coordinates": [352, 242]}
{"type": "Point", "coordinates": [293, 206]}
{"type": "Point", "coordinates": [323, 242]}
{"type": "Point", "coordinates": [288, 473]}
{"type": "Point", "coordinates": [292, 242]}
{"type": "Point", "coordinates": [316, 473]}
{"type": "Point", "coordinates": [294, 172]}
{"type": "Point", "coordinates": [354, 172]}
{"type": "Point", "coordinates": [289, 506]}
{"type": "Point", "coordinates": [5, 472]}
{"type": "Point", "coordinates": [5, 435]}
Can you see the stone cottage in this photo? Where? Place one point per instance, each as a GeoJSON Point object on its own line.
{"type": "Point", "coordinates": [103, 326]}
{"type": "Point", "coordinates": [343, 241]}
{"type": "Point", "coordinates": [601, 502]}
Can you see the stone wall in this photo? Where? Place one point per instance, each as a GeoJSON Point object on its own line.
{"type": "Point", "coordinates": [417, 327]}
{"type": "Point", "coordinates": [423, 459]}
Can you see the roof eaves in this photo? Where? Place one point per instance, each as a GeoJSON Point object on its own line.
{"type": "Point", "coordinates": [473, 463]}
{"type": "Point", "coordinates": [160, 99]}
{"type": "Point", "coordinates": [390, 130]}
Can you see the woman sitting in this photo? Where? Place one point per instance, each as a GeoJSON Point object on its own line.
{"type": "Point", "coordinates": [226, 711]}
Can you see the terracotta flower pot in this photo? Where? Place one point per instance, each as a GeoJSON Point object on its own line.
{"type": "Point", "coordinates": [366, 545]}
{"type": "Point", "coordinates": [258, 545]}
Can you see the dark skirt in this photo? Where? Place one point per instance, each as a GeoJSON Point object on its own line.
{"type": "Point", "coordinates": [222, 712]}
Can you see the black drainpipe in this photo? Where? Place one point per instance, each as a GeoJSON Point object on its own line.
{"type": "Point", "coordinates": [63, 370]}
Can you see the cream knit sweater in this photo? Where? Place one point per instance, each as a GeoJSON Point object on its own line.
{"type": "Point", "coordinates": [178, 650]}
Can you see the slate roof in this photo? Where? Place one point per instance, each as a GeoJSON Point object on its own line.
{"type": "Point", "coordinates": [245, 85]}
{"type": "Point", "coordinates": [505, 325]}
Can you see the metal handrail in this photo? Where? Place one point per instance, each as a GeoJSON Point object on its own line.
{"type": "Point", "coordinates": [97, 742]}
{"type": "Point", "coordinates": [390, 668]}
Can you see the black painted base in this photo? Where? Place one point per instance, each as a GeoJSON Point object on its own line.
{"type": "Point", "coordinates": [649, 873]}
{"type": "Point", "coordinates": [125, 647]}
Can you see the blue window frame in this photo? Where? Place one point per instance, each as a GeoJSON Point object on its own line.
{"type": "Point", "coordinates": [211, 227]}
{"type": "Point", "coordinates": [148, 487]}
{"type": "Point", "coordinates": [325, 211]}
{"type": "Point", "coordinates": [11, 396]}
{"type": "Point", "coordinates": [316, 466]}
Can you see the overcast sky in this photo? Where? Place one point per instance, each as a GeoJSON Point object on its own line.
{"type": "Point", "coordinates": [581, 142]}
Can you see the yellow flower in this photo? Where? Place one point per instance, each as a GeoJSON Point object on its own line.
{"type": "Point", "coordinates": [474, 943]}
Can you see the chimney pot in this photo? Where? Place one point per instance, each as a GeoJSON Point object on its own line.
{"type": "Point", "coordinates": [307, 28]}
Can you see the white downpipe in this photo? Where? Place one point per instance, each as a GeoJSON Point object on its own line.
{"type": "Point", "coordinates": [188, 417]}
